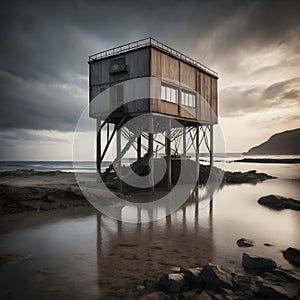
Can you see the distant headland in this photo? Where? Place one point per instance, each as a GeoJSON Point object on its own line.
{"type": "Point", "coordinates": [283, 143]}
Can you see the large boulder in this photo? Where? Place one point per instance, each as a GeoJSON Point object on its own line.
{"type": "Point", "coordinates": [258, 264]}
{"type": "Point", "coordinates": [244, 243]}
{"type": "Point", "coordinates": [215, 277]}
{"type": "Point", "coordinates": [193, 277]}
{"type": "Point", "coordinates": [292, 255]}
{"type": "Point", "coordinates": [279, 202]}
{"type": "Point", "coordinates": [274, 291]}
{"type": "Point", "coordinates": [173, 283]}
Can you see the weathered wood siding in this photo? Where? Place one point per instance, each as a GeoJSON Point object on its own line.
{"type": "Point", "coordinates": [150, 61]}
{"type": "Point", "coordinates": [183, 75]}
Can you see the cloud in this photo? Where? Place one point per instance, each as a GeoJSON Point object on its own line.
{"type": "Point", "coordinates": [24, 144]}
{"type": "Point", "coordinates": [11, 137]}
{"type": "Point", "coordinates": [239, 100]}
{"type": "Point", "coordinates": [251, 31]}
{"type": "Point", "coordinates": [37, 105]}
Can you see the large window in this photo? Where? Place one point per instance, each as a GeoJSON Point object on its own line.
{"type": "Point", "coordinates": [169, 94]}
{"type": "Point", "coordinates": [188, 99]}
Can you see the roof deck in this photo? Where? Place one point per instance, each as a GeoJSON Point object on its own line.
{"type": "Point", "coordinates": [150, 42]}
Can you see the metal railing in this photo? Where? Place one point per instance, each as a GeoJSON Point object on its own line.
{"type": "Point", "coordinates": [147, 42]}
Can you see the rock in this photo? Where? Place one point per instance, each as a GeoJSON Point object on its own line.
{"type": "Point", "coordinates": [13, 258]}
{"type": "Point", "coordinates": [188, 294]}
{"type": "Point", "coordinates": [43, 271]}
{"type": "Point", "coordinates": [287, 275]}
{"type": "Point", "coordinates": [245, 177]}
{"type": "Point", "coordinates": [202, 296]}
{"type": "Point", "coordinates": [155, 296]}
{"type": "Point", "coordinates": [140, 288]}
{"type": "Point", "coordinates": [149, 284]}
{"type": "Point", "coordinates": [193, 278]}
{"type": "Point", "coordinates": [176, 269]}
{"type": "Point", "coordinates": [214, 277]}
{"type": "Point", "coordinates": [273, 291]}
{"type": "Point", "coordinates": [244, 243]}
{"type": "Point", "coordinates": [268, 245]}
{"type": "Point", "coordinates": [279, 202]}
{"type": "Point", "coordinates": [226, 293]}
{"type": "Point", "coordinates": [292, 255]}
{"type": "Point", "coordinates": [244, 282]}
{"type": "Point", "coordinates": [215, 295]}
{"type": "Point", "coordinates": [173, 283]}
{"type": "Point", "coordinates": [256, 263]}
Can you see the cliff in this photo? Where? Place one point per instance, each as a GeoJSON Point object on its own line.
{"type": "Point", "coordinates": [283, 143]}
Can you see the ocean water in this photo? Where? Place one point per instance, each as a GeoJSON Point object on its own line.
{"type": "Point", "coordinates": [90, 166]}
{"type": "Point", "coordinates": [89, 256]}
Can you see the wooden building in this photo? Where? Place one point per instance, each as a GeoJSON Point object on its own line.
{"type": "Point", "coordinates": [182, 79]}
{"type": "Point", "coordinates": [177, 87]}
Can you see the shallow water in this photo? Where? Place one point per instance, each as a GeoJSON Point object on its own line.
{"type": "Point", "coordinates": [88, 255]}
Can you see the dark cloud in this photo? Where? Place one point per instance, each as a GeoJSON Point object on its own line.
{"type": "Point", "coordinates": [37, 105]}
{"type": "Point", "coordinates": [250, 27]}
{"type": "Point", "coordinates": [45, 47]}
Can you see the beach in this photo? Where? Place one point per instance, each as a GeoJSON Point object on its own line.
{"type": "Point", "coordinates": [76, 252]}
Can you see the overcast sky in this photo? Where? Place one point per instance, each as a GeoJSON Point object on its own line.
{"type": "Point", "coordinates": [253, 45]}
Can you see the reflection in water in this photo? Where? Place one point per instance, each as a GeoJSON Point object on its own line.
{"type": "Point", "coordinates": [129, 253]}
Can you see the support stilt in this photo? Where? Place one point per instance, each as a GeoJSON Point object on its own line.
{"type": "Point", "coordinates": [119, 164]}
{"type": "Point", "coordinates": [150, 152]}
{"type": "Point", "coordinates": [184, 142]}
{"type": "Point", "coordinates": [211, 144]}
{"type": "Point", "coordinates": [168, 154]}
{"type": "Point", "coordinates": [197, 152]}
{"type": "Point", "coordinates": [139, 147]}
{"type": "Point", "coordinates": [98, 150]}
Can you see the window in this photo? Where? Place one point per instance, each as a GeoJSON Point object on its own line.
{"type": "Point", "coordinates": [118, 65]}
{"type": "Point", "coordinates": [169, 93]}
{"type": "Point", "coordinates": [188, 99]}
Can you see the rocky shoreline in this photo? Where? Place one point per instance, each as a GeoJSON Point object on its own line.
{"type": "Point", "coordinates": [259, 278]}
{"type": "Point", "coordinates": [279, 202]}
{"type": "Point", "coordinates": [29, 190]}
{"type": "Point", "coordinates": [263, 279]}
{"type": "Point", "coordinates": [270, 160]}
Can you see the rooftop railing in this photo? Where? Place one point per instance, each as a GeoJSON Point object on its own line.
{"type": "Point", "coordinates": [147, 42]}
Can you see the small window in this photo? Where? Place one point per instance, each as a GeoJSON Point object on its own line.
{"type": "Point", "coordinates": [169, 93]}
{"type": "Point", "coordinates": [118, 61]}
{"type": "Point", "coordinates": [188, 99]}
{"type": "Point", "coordinates": [118, 65]}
